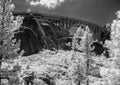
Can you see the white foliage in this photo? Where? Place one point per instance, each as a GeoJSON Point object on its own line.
{"type": "Point", "coordinates": [111, 70]}
{"type": "Point", "coordinates": [118, 14]}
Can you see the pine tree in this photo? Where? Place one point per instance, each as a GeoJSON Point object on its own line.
{"type": "Point", "coordinates": [8, 24]}
{"type": "Point", "coordinates": [83, 45]}
{"type": "Point", "coordinates": [82, 39]}
{"type": "Point", "coordinates": [111, 69]}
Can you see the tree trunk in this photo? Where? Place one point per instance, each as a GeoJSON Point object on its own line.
{"type": "Point", "coordinates": [0, 65]}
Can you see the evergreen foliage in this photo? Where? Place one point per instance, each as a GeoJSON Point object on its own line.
{"type": "Point", "coordinates": [8, 45]}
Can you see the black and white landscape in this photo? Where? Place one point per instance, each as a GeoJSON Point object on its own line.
{"type": "Point", "coordinates": [59, 42]}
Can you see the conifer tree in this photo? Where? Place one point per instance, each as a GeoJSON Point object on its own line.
{"type": "Point", "coordinates": [8, 24]}
{"type": "Point", "coordinates": [83, 45]}
{"type": "Point", "coordinates": [111, 70]}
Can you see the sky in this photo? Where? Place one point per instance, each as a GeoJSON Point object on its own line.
{"type": "Point", "coordinates": [97, 11]}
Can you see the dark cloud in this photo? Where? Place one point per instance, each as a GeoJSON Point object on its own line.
{"type": "Point", "coordinates": [97, 11]}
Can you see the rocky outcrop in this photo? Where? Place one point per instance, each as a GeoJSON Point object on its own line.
{"type": "Point", "coordinates": [38, 34]}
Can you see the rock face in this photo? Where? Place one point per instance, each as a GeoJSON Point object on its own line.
{"type": "Point", "coordinates": [29, 41]}
{"type": "Point", "coordinates": [100, 49]}
{"type": "Point", "coordinates": [38, 34]}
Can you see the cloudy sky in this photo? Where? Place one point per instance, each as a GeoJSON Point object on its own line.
{"type": "Point", "coordinates": [97, 11]}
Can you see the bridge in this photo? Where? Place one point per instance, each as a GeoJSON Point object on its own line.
{"type": "Point", "coordinates": [68, 22]}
